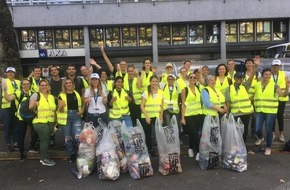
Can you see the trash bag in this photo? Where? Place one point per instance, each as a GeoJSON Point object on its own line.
{"type": "Point", "coordinates": [210, 147]}
{"type": "Point", "coordinates": [139, 163]}
{"type": "Point", "coordinates": [168, 147]}
{"type": "Point", "coordinates": [224, 121]}
{"type": "Point", "coordinates": [107, 157]}
{"type": "Point", "coordinates": [86, 154]}
{"type": "Point", "coordinates": [115, 130]}
{"type": "Point", "coordinates": [235, 152]}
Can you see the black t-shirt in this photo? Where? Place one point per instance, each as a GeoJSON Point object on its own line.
{"type": "Point", "coordinates": [79, 85]}
{"type": "Point", "coordinates": [72, 101]}
{"type": "Point", "coordinates": [55, 87]}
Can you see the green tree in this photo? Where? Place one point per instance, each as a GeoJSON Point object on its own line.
{"type": "Point", "coordinates": [9, 54]}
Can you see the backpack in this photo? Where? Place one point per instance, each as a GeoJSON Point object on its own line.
{"type": "Point", "coordinates": [25, 113]}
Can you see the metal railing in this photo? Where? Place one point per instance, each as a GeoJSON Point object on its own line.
{"type": "Point", "coordinates": [65, 2]}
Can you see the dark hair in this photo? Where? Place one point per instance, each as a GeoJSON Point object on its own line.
{"type": "Point", "coordinates": [143, 68]}
{"type": "Point", "coordinates": [70, 65]}
{"type": "Point", "coordinates": [149, 86]}
{"type": "Point", "coordinates": [265, 70]}
{"type": "Point", "coordinates": [186, 61]}
{"type": "Point", "coordinates": [217, 68]}
{"type": "Point", "coordinates": [249, 59]}
{"type": "Point", "coordinates": [36, 67]}
{"type": "Point", "coordinates": [195, 71]}
{"type": "Point", "coordinates": [130, 66]}
{"type": "Point", "coordinates": [231, 60]}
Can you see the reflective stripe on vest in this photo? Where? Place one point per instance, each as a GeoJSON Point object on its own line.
{"type": "Point", "coordinates": [282, 84]}
{"type": "Point", "coordinates": [192, 103]}
{"type": "Point", "coordinates": [265, 101]}
{"type": "Point", "coordinates": [137, 93]}
{"type": "Point", "coordinates": [146, 80]}
{"type": "Point", "coordinates": [62, 116]}
{"type": "Point", "coordinates": [222, 87]}
{"type": "Point", "coordinates": [45, 110]}
{"type": "Point", "coordinates": [171, 103]}
{"type": "Point", "coordinates": [217, 98]}
{"type": "Point", "coordinates": [240, 101]}
{"type": "Point", "coordinates": [120, 106]}
{"type": "Point", "coordinates": [153, 105]}
{"type": "Point", "coordinates": [10, 90]}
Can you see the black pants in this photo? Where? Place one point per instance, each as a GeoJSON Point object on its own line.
{"type": "Point", "coordinates": [135, 113]}
{"type": "Point", "coordinates": [192, 126]}
{"type": "Point", "coordinates": [280, 116]}
{"type": "Point", "coordinates": [21, 132]}
{"type": "Point", "coordinates": [246, 121]}
{"type": "Point", "coordinates": [148, 131]}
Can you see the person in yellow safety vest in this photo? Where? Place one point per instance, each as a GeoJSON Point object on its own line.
{"type": "Point", "coordinates": [151, 108]}
{"type": "Point", "coordinates": [44, 121]}
{"type": "Point", "coordinates": [231, 69]}
{"type": "Point", "coordinates": [96, 101]}
{"type": "Point", "coordinates": [213, 99]}
{"type": "Point", "coordinates": [69, 116]}
{"type": "Point", "coordinates": [182, 81]}
{"type": "Point", "coordinates": [10, 85]}
{"type": "Point", "coordinates": [79, 83]}
{"type": "Point", "coordinates": [133, 85]}
{"type": "Point", "coordinates": [168, 70]}
{"type": "Point", "coordinates": [279, 77]}
{"type": "Point", "coordinates": [199, 80]}
{"type": "Point", "coordinates": [118, 103]}
{"type": "Point", "coordinates": [85, 76]}
{"type": "Point", "coordinates": [35, 78]}
{"type": "Point", "coordinates": [238, 101]}
{"type": "Point", "coordinates": [191, 114]}
{"type": "Point", "coordinates": [146, 73]}
{"type": "Point", "coordinates": [222, 81]}
{"type": "Point", "coordinates": [266, 106]}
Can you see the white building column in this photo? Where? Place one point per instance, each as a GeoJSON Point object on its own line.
{"type": "Point", "coordinates": [154, 43]}
{"type": "Point", "coordinates": [223, 50]}
{"type": "Point", "coordinates": [87, 46]}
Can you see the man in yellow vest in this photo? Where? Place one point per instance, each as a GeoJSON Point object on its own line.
{"type": "Point", "coordinates": [279, 77]}
{"type": "Point", "coordinates": [35, 78]}
{"type": "Point", "coordinates": [10, 85]}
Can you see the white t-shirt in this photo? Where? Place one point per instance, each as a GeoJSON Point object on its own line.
{"type": "Point", "coordinates": [96, 104]}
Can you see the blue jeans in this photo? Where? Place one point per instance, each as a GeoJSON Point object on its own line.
{"type": "Point", "coordinates": [269, 120]}
{"type": "Point", "coordinates": [71, 131]}
{"type": "Point", "coordinates": [126, 118]}
{"type": "Point", "coordinates": [8, 119]}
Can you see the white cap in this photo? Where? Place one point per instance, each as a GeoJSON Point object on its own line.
{"type": "Point", "coordinates": [171, 75]}
{"type": "Point", "coordinates": [276, 62]}
{"type": "Point", "coordinates": [95, 75]}
{"type": "Point", "coordinates": [10, 69]}
{"type": "Point", "coordinates": [169, 65]}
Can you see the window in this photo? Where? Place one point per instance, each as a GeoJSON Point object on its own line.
{"type": "Point", "coordinates": [62, 39]}
{"type": "Point", "coordinates": [78, 38]}
{"type": "Point", "coordinates": [45, 39]}
{"type": "Point", "coordinates": [279, 30]}
{"type": "Point", "coordinates": [129, 36]}
{"type": "Point", "coordinates": [263, 31]}
{"type": "Point", "coordinates": [212, 33]}
{"type": "Point", "coordinates": [196, 33]}
{"type": "Point", "coordinates": [28, 40]}
{"type": "Point", "coordinates": [163, 34]}
{"type": "Point", "coordinates": [145, 36]}
{"type": "Point", "coordinates": [113, 37]}
{"type": "Point", "coordinates": [231, 32]}
{"type": "Point", "coordinates": [246, 31]}
{"type": "Point", "coordinates": [96, 37]}
{"type": "Point", "coordinates": [179, 35]}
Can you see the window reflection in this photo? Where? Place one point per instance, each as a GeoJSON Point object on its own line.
{"type": "Point", "coordinates": [246, 31]}
{"type": "Point", "coordinates": [78, 38]}
{"type": "Point", "coordinates": [179, 35]}
{"type": "Point", "coordinates": [145, 36]}
{"type": "Point", "coordinates": [129, 36]}
{"type": "Point", "coordinates": [163, 34]}
{"type": "Point", "coordinates": [279, 30]}
{"type": "Point", "coordinates": [196, 32]}
{"type": "Point", "coordinates": [62, 39]}
{"type": "Point", "coordinates": [263, 31]}
{"type": "Point", "coordinates": [231, 32]}
{"type": "Point", "coordinates": [45, 39]}
{"type": "Point", "coordinates": [96, 37]}
{"type": "Point", "coordinates": [212, 33]}
{"type": "Point", "coordinates": [28, 40]}
{"type": "Point", "coordinates": [113, 37]}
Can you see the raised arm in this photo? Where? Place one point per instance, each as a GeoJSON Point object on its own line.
{"type": "Point", "coordinates": [106, 58]}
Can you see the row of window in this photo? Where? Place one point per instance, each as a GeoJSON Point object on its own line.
{"type": "Point", "coordinates": [133, 36]}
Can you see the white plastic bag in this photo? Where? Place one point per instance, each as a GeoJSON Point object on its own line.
{"type": "Point", "coordinates": [235, 152]}
{"type": "Point", "coordinates": [139, 163]}
{"type": "Point", "coordinates": [115, 130]}
{"type": "Point", "coordinates": [107, 158]}
{"type": "Point", "coordinates": [210, 147]}
{"type": "Point", "coordinates": [168, 147]}
{"type": "Point", "coordinates": [224, 121]}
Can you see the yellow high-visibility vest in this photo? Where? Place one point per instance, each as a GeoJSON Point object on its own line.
{"type": "Point", "coordinates": [153, 105]}
{"type": "Point", "coordinates": [217, 98]}
{"type": "Point", "coordinates": [45, 110]}
{"type": "Point", "coordinates": [222, 87]}
{"type": "Point", "coordinates": [10, 90]}
{"type": "Point", "coordinates": [240, 101]}
{"type": "Point", "coordinates": [193, 103]}
{"type": "Point", "coordinates": [137, 93]}
{"type": "Point", "coordinates": [282, 84]}
{"type": "Point", "coordinates": [171, 99]}
{"type": "Point", "coordinates": [120, 106]}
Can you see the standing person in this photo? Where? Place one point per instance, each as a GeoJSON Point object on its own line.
{"type": "Point", "coordinates": [213, 99]}
{"type": "Point", "coordinates": [238, 101]}
{"type": "Point", "coordinates": [86, 75]}
{"type": "Point", "coordinates": [187, 64]}
{"type": "Point", "coordinates": [168, 71]}
{"type": "Point", "coordinates": [222, 81]}
{"type": "Point", "coordinates": [96, 100]}
{"type": "Point", "coordinates": [182, 81]}
{"type": "Point", "coordinates": [79, 85]}
{"type": "Point", "coordinates": [279, 77]}
{"type": "Point", "coordinates": [151, 108]}
{"type": "Point", "coordinates": [266, 107]}
{"type": "Point", "coordinates": [191, 114]}
{"type": "Point", "coordinates": [69, 116]}
{"type": "Point", "coordinates": [118, 103]}
{"type": "Point", "coordinates": [133, 86]}
{"type": "Point", "coordinates": [35, 78]}
{"type": "Point", "coordinates": [146, 73]}
{"type": "Point", "coordinates": [21, 125]}
{"type": "Point", "coordinates": [205, 72]}
{"type": "Point", "coordinates": [199, 80]}
{"type": "Point", "coordinates": [44, 122]}
{"type": "Point", "coordinates": [231, 69]}
{"type": "Point", "coordinates": [9, 108]}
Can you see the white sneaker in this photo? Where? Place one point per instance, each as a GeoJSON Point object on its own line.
{"type": "Point", "coordinates": [273, 137]}
{"type": "Point", "coordinates": [190, 153]}
{"type": "Point", "coordinates": [180, 142]}
{"type": "Point", "coordinates": [268, 152]}
{"type": "Point", "coordinates": [259, 141]}
{"type": "Point", "coordinates": [197, 156]}
{"type": "Point", "coordinates": [282, 138]}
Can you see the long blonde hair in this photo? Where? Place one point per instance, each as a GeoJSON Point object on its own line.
{"type": "Point", "coordinates": [63, 88]}
{"type": "Point", "coordinates": [99, 87]}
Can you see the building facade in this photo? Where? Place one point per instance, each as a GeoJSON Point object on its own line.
{"type": "Point", "coordinates": [70, 31]}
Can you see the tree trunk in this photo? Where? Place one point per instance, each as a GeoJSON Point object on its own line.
{"type": "Point", "coordinates": [9, 54]}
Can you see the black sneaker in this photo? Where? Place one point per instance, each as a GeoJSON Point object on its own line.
{"type": "Point", "coordinates": [72, 158]}
{"type": "Point", "coordinates": [22, 157]}
{"type": "Point", "coordinates": [9, 148]}
{"type": "Point", "coordinates": [33, 150]}
{"type": "Point", "coordinates": [16, 148]}
{"type": "Point", "coordinates": [152, 154]}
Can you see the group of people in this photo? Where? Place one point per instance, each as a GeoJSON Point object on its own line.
{"type": "Point", "coordinates": [67, 102]}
